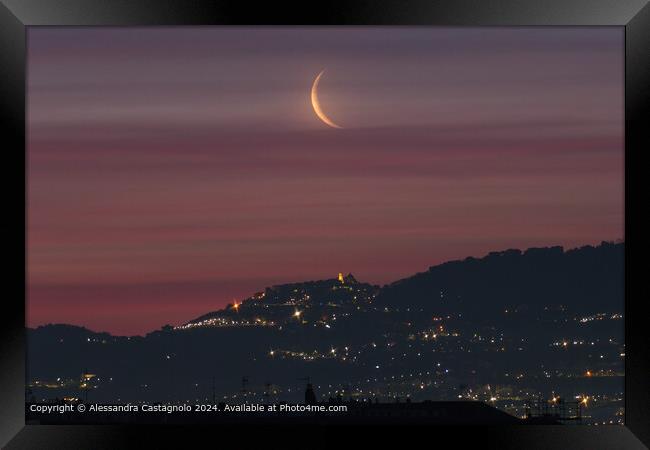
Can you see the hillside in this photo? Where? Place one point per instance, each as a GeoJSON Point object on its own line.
{"type": "Point", "coordinates": [508, 326]}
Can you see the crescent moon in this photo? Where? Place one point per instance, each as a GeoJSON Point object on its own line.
{"type": "Point", "coordinates": [316, 104]}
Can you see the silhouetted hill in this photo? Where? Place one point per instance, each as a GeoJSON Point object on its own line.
{"type": "Point", "coordinates": [586, 279]}
{"type": "Point", "coordinates": [501, 328]}
{"type": "Point", "coordinates": [276, 305]}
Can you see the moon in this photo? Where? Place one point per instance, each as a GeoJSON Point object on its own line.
{"type": "Point", "coordinates": [316, 104]}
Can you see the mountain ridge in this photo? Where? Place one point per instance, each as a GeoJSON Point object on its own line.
{"type": "Point", "coordinates": [509, 326]}
{"type": "Point", "coordinates": [385, 295]}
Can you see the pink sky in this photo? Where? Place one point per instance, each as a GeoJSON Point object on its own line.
{"type": "Point", "coordinates": [172, 170]}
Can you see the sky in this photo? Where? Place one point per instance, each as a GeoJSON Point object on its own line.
{"type": "Point", "coordinates": [173, 170]}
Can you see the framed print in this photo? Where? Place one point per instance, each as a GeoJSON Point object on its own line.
{"type": "Point", "coordinates": [262, 218]}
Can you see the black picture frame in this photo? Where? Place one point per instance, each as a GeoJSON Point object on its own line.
{"type": "Point", "coordinates": [17, 15]}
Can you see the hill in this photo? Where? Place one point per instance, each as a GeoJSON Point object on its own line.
{"type": "Point", "coordinates": [503, 328]}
